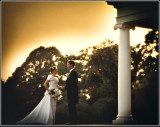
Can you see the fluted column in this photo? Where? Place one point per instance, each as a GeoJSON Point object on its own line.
{"type": "Point", "coordinates": [124, 76]}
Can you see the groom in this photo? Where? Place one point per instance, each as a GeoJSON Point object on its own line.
{"type": "Point", "coordinates": [72, 91]}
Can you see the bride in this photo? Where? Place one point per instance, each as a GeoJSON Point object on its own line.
{"type": "Point", "coordinates": [44, 112]}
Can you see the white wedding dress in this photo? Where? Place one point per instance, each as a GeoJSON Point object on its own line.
{"type": "Point", "coordinates": [44, 112]}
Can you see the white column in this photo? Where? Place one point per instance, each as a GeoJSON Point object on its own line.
{"type": "Point", "coordinates": [124, 76]}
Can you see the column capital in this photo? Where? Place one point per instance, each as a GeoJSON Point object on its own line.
{"type": "Point", "coordinates": [123, 26]}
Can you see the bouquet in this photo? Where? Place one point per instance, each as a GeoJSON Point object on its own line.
{"type": "Point", "coordinates": [56, 93]}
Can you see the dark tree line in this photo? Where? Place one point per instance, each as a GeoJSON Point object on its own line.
{"type": "Point", "coordinates": [98, 83]}
{"type": "Point", "coordinates": [145, 82]}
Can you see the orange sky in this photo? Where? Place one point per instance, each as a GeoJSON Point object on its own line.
{"type": "Point", "coordinates": [70, 26]}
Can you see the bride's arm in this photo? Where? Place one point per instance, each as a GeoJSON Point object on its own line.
{"type": "Point", "coordinates": [46, 85]}
{"type": "Point", "coordinates": [59, 87]}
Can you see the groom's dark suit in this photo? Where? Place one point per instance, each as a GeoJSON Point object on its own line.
{"type": "Point", "coordinates": [72, 93]}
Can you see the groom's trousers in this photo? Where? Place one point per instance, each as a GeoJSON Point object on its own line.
{"type": "Point", "coordinates": [72, 112]}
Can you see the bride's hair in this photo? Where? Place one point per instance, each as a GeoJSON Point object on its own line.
{"type": "Point", "coordinates": [53, 68]}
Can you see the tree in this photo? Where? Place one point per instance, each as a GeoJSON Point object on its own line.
{"type": "Point", "coordinates": [102, 72]}
{"type": "Point", "coordinates": [145, 81]}
{"type": "Point", "coordinates": [25, 88]}
{"type": "Point", "coordinates": [100, 83]}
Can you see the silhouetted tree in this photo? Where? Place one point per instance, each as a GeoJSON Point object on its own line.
{"type": "Point", "coordinates": [145, 81]}
{"type": "Point", "coordinates": [23, 91]}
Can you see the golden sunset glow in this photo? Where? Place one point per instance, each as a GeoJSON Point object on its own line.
{"type": "Point", "coordinates": [69, 26]}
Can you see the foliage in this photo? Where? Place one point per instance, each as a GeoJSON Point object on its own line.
{"type": "Point", "coordinates": [145, 80]}
{"type": "Point", "coordinates": [25, 88]}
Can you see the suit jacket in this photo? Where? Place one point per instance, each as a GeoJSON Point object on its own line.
{"type": "Point", "coordinates": [72, 87]}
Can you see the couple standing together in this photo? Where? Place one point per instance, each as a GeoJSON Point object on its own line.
{"type": "Point", "coordinates": [44, 112]}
